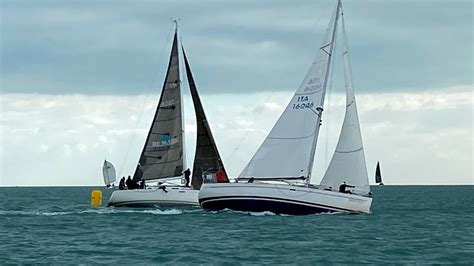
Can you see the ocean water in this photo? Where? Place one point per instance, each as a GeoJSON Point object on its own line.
{"type": "Point", "coordinates": [408, 224]}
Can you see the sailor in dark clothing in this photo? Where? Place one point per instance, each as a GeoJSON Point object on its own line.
{"type": "Point", "coordinates": [130, 184]}
{"type": "Point", "coordinates": [162, 187]}
{"type": "Point", "coordinates": [122, 183]}
{"type": "Point", "coordinates": [343, 186]}
{"type": "Point", "coordinates": [142, 184]}
{"type": "Point", "coordinates": [187, 173]}
{"type": "Point", "coordinates": [251, 180]}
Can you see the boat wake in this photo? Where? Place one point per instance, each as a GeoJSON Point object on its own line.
{"type": "Point", "coordinates": [265, 213]}
{"type": "Point", "coordinates": [95, 211]}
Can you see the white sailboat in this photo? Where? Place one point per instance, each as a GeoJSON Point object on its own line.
{"type": "Point", "coordinates": [108, 171]}
{"type": "Point", "coordinates": [162, 157]}
{"type": "Point", "coordinates": [280, 170]}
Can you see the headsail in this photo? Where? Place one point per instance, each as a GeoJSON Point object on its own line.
{"type": "Point", "coordinates": [207, 159]}
{"type": "Point", "coordinates": [108, 171]}
{"type": "Point", "coordinates": [348, 162]}
{"type": "Point", "coordinates": [162, 155]}
{"type": "Point", "coordinates": [288, 151]}
{"type": "Point", "coordinates": [378, 174]}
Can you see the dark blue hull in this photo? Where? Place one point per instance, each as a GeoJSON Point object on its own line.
{"type": "Point", "coordinates": [262, 205]}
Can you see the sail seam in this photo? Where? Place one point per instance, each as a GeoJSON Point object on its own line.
{"type": "Point", "coordinates": [166, 120]}
{"type": "Point", "coordinates": [291, 138]}
{"type": "Point", "coordinates": [361, 148]}
{"type": "Point", "coordinates": [161, 162]}
{"type": "Point", "coordinates": [309, 93]}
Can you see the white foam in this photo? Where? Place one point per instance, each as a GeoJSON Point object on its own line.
{"type": "Point", "coordinates": [164, 212]}
{"type": "Point", "coordinates": [265, 213]}
{"type": "Point", "coordinates": [53, 213]}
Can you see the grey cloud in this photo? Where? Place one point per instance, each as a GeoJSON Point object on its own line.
{"type": "Point", "coordinates": [117, 47]}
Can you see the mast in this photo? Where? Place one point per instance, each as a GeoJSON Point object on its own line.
{"type": "Point", "coordinates": [181, 78]}
{"type": "Point", "coordinates": [328, 67]}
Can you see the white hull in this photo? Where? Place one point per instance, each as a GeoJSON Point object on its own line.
{"type": "Point", "coordinates": [151, 197]}
{"type": "Point", "coordinates": [279, 198]}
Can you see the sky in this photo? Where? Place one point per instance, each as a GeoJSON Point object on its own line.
{"type": "Point", "coordinates": [80, 81]}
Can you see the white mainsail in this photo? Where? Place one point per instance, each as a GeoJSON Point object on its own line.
{"type": "Point", "coordinates": [108, 170]}
{"type": "Point", "coordinates": [348, 162]}
{"type": "Point", "coordinates": [288, 151]}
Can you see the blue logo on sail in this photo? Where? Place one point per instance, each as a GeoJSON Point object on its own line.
{"type": "Point", "coordinates": [166, 138]}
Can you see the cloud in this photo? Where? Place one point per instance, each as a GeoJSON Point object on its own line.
{"type": "Point", "coordinates": [419, 137]}
{"type": "Point", "coordinates": [58, 47]}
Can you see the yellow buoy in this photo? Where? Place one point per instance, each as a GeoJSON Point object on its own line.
{"type": "Point", "coordinates": [96, 198]}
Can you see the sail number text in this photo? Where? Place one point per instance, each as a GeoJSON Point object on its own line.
{"type": "Point", "coordinates": [303, 102]}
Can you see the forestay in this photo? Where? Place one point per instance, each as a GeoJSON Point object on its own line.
{"type": "Point", "coordinates": [348, 162]}
{"type": "Point", "coordinates": [108, 171]}
{"type": "Point", "coordinates": [288, 151]}
{"type": "Point", "coordinates": [207, 159]}
{"type": "Point", "coordinates": [162, 155]}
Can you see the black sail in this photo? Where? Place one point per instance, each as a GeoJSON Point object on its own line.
{"type": "Point", "coordinates": [162, 155]}
{"type": "Point", "coordinates": [206, 159]}
{"type": "Point", "coordinates": [378, 175]}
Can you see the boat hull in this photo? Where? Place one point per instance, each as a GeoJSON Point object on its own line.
{"type": "Point", "coordinates": [280, 199]}
{"type": "Point", "coordinates": [152, 197]}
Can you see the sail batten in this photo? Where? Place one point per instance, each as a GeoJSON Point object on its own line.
{"type": "Point", "coordinates": [163, 153]}
{"type": "Point", "coordinates": [288, 150]}
{"type": "Point", "coordinates": [207, 159]}
{"type": "Point", "coordinates": [348, 162]}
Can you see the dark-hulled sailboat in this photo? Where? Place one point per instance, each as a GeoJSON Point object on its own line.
{"type": "Point", "coordinates": [281, 168]}
{"type": "Point", "coordinates": [163, 157]}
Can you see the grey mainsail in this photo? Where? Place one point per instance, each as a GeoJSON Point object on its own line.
{"type": "Point", "coordinates": [162, 155]}
{"type": "Point", "coordinates": [207, 159]}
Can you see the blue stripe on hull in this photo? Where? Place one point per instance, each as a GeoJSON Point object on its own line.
{"type": "Point", "coordinates": [261, 205]}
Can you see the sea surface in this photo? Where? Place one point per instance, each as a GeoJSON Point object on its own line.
{"type": "Point", "coordinates": [408, 224]}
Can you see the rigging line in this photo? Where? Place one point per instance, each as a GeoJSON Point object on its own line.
{"type": "Point", "coordinates": [147, 97]}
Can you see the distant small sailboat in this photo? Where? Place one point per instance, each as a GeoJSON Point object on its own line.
{"type": "Point", "coordinates": [378, 175]}
{"type": "Point", "coordinates": [108, 170]}
{"type": "Point", "coordinates": [163, 155]}
{"type": "Point", "coordinates": [280, 171]}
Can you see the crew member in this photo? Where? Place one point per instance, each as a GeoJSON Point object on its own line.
{"type": "Point", "coordinates": [220, 176]}
{"type": "Point", "coordinates": [187, 173]}
{"type": "Point", "coordinates": [122, 183]}
{"type": "Point", "coordinates": [343, 186]}
{"type": "Point", "coordinates": [162, 187]}
{"type": "Point", "coordinates": [130, 184]}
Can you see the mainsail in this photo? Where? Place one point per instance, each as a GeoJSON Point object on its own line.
{"type": "Point", "coordinates": [108, 172]}
{"type": "Point", "coordinates": [378, 174]}
{"type": "Point", "coordinates": [207, 159]}
{"type": "Point", "coordinates": [288, 151]}
{"type": "Point", "coordinates": [162, 155]}
{"type": "Point", "coordinates": [348, 162]}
